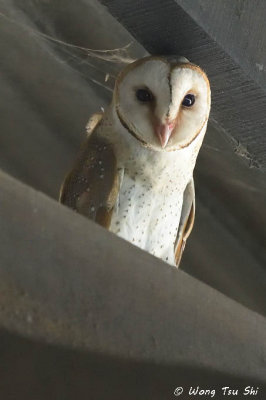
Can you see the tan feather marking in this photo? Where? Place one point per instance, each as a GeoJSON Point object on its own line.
{"type": "Point", "coordinates": [103, 217]}
{"type": "Point", "coordinates": [186, 222]}
{"type": "Point", "coordinates": [91, 188]}
{"type": "Point", "coordinates": [181, 243]}
{"type": "Point", "coordinates": [93, 122]}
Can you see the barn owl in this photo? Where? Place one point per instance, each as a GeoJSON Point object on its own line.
{"type": "Point", "coordinates": [134, 173]}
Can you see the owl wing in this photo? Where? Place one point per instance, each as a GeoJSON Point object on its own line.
{"type": "Point", "coordinates": [186, 221]}
{"type": "Point", "coordinates": [91, 188]}
{"type": "Point", "coordinates": [93, 122]}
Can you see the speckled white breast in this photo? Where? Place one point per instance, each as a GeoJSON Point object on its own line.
{"type": "Point", "coordinates": [152, 184]}
{"type": "Point", "coordinates": [148, 216]}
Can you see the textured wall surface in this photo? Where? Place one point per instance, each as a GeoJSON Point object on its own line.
{"type": "Point", "coordinates": [243, 36]}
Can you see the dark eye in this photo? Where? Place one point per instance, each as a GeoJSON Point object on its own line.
{"type": "Point", "coordinates": [188, 100]}
{"type": "Point", "coordinates": [144, 95]}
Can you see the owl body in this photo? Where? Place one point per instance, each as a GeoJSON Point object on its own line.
{"type": "Point", "coordinates": [134, 174]}
{"type": "Point", "coordinates": [151, 188]}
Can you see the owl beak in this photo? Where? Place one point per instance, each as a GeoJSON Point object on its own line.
{"type": "Point", "coordinates": [164, 132]}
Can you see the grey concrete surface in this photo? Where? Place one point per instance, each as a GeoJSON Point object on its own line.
{"type": "Point", "coordinates": [243, 34]}
{"type": "Point", "coordinates": [41, 371]}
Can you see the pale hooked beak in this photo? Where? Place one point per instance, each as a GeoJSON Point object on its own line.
{"type": "Point", "coordinates": [164, 132]}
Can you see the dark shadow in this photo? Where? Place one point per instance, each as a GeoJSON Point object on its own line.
{"type": "Point", "coordinates": [35, 371]}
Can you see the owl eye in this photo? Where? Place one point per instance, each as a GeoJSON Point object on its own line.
{"type": "Point", "coordinates": [188, 100]}
{"type": "Point", "coordinates": [144, 95]}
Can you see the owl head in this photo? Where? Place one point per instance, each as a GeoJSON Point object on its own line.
{"type": "Point", "coordinates": [163, 102]}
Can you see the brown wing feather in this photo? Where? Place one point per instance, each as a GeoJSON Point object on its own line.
{"type": "Point", "coordinates": [186, 221]}
{"type": "Point", "coordinates": [93, 122]}
{"type": "Point", "coordinates": [91, 188]}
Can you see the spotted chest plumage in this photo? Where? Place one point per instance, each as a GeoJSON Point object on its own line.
{"type": "Point", "coordinates": [151, 187]}
{"type": "Point", "coordinates": [148, 217]}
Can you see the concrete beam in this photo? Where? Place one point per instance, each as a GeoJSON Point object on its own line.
{"type": "Point", "coordinates": [66, 280]}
